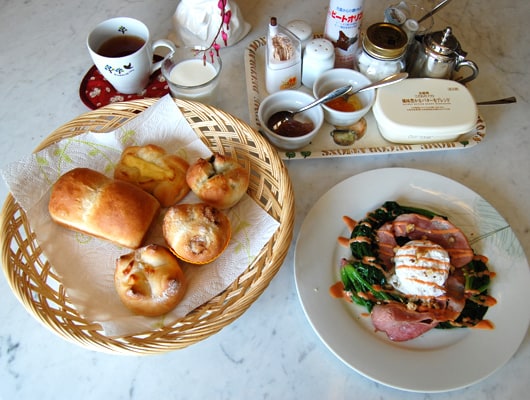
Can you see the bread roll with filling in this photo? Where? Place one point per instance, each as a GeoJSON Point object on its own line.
{"type": "Point", "coordinates": [149, 167]}
{"type": "Point", "coordinates": [87, 201]}
{"type": "Point", "coordinates": [196, 233]}
{"type": "Point", "coordinates": [149, 281]}
{"type": "Point", "coordinates": [219, 180]}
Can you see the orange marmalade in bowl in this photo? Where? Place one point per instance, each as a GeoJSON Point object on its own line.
{"type": "Point", "coordinates": [345, 103]}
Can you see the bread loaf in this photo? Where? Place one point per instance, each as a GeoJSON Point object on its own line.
{"type": "Point", "coordinates": [149, 280]}
{"type": "Point", "coordinates": [87, 201]}
{"type": "Point", "coordinates": [149, 167]}
{"type": "Point", "coordinates": [219, 181]}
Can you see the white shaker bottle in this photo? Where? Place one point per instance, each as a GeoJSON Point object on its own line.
{"type": "Point", "coordinates": [319, 56]}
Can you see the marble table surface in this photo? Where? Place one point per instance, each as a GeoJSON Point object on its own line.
{"type": "Point", "coordinates": [271, 351]}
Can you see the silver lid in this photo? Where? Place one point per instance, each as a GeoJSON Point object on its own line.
{"type": "Point", "coordinates": [443, 42]}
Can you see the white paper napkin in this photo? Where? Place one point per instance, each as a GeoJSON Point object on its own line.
{"type": "Point", "coordinates": [86, 264]}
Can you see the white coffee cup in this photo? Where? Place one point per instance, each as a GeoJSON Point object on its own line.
{"type": "Point", "coordinates": [122, 51]}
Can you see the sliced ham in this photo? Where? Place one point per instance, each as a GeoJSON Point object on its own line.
{"type": "Point", "coordinates": [399, 323]}
{"type": "Point", "coordinates": [437, 230]}
{"type": "Point", "coordinates": [386, 241]}
{"type": "Point", "coordinates": [460, 257]}
{"type": "Point", "coordinates": [455, 293]}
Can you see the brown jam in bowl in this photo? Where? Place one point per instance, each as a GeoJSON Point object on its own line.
{"type": "Point", "coordinates": [293, 128]}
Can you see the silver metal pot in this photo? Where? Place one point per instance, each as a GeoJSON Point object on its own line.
{"type": "Point", "coordinates": [439, 55]}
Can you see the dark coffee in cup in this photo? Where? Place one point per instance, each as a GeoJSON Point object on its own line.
{"type": "Point", "coordinates": [121, 46]}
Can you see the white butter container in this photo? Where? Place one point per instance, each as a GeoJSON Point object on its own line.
{"type": "Point", "coordinates": [424, 110]}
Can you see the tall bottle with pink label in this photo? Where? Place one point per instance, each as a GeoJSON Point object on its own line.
{"type": "Point", "coordinates": [342, 28]}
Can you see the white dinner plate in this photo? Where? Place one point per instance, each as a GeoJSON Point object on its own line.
{"type": "Point", "coordinates": [439, 360]}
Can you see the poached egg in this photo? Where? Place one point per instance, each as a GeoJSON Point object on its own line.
{"type": "Point", "coordinates": [421, 269]}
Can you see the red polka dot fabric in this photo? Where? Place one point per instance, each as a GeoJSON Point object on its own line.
{"type": "Point", "coordinates": [95, 91]}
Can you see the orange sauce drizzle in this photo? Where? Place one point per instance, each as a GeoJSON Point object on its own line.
{"type": "Point", "coordinates": [337, 291]}
{"type": "Point", "coordinates": [345, 242]}
{"type": "Point", "coordinates": [420, 268]}
{"type": "Point", "coordinates": [350, 223]}
{"type": "Point", "coordinates": [484, 324]}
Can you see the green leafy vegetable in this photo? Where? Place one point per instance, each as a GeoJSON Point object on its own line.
{"type": "Point", "coordinates": [477, 281]}
{"type": "Point", "coordinates": [365, 282]}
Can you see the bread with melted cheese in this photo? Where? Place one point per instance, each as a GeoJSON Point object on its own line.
{"type": "Point", "coordinates": [152, 169]}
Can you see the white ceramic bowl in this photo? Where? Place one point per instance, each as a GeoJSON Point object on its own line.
{"type": "Point", "coordinates": [335, 78]}
{"type": "Point", "coordinates": [289, 100]}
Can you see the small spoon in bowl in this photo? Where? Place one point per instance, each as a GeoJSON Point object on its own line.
{"type": "Point", "coordinates": [281, 117]}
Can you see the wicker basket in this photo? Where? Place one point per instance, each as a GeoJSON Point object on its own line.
{"type": "Point", "coordinates": [37, 286]}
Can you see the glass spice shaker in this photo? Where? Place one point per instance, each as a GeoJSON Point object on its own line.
{"type": "Point", "coordinates": [383, 51]}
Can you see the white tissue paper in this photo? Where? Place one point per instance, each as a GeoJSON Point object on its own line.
{"type": "Point", "coordinates": [86, 264]}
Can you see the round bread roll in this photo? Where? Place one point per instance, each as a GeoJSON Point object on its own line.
{"type": "Point", "coordinates": [149, 280]}
{"type": "Point", "coordinates": [219, 181]}
{"type": "Point", "coordinates": [149, 167]}
{"type": "Point", "coordinates": [196, 233]}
